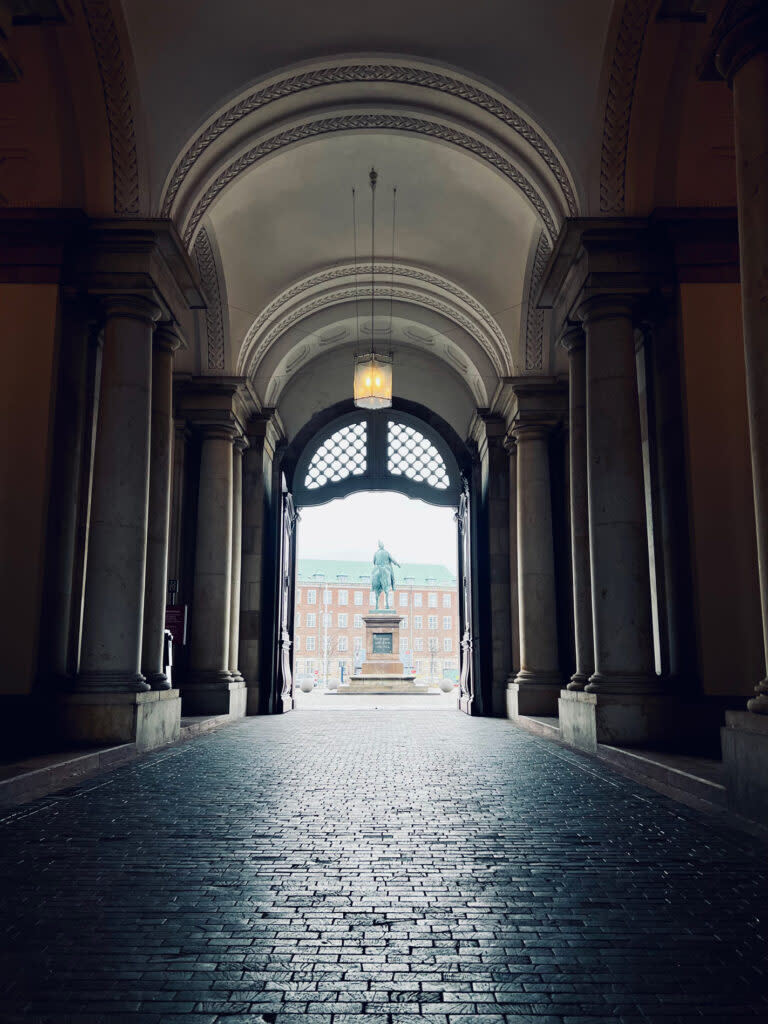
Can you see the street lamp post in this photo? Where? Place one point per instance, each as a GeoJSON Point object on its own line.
{"type": "Point", "coordinates": [410, 580]}
{"type": "Point", "coordinates": [320, 577]}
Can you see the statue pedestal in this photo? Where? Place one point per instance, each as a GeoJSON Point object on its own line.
{"type": "Point", "coordinates": [382, 671]}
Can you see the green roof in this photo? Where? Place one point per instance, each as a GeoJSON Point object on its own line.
{"type": "Point", "coordinates": [333, 567]}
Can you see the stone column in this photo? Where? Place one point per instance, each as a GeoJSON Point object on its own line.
{"type": "Point", "coordinates": [237, 546]}
{"type": "Point", "coordinates": [742, 58]}
{"type": "Point", "coordinates": [574, 343]}
{"type": "Point", "coordinates": [209, 678]}
{"type": "Point", "coordinates": [161, 448]}
{"type": "Point", "coordinates": [621, 594]}
{"type": "Point", "coordinates": [117, 545]}
{"type": "Point", "coordinates": [538, 680]}
{"type": "Point", "coordinates": [514, 597]}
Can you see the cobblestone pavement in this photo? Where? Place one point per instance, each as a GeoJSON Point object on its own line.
{"type": "Point", "coordinates": [380, 867]}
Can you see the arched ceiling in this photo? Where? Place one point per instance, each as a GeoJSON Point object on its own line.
{"type": "Point", "coordinates": [192, 55]}
{"type": "Point", "coordinates": [260, 119]}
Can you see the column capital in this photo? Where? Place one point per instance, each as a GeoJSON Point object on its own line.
{"type": "Point", "coordinates": [573, 339]}
{"type": "Point", "coordinates": [166, 337]}
{"type": "Point", "coordinates": [133, 307]}
{"type": "Point", "coordinates": [606, 307]}
{"type": "Point", "coordinates": [217, 429]}
{"type": "Point", "coordinates": [510, 444]}
{"type": "Point", "coordinates": [241, 443]}
{"type": "Point", "coordinates": [740, 34]}
{"type": "Point", "coordinates": [530, 429]}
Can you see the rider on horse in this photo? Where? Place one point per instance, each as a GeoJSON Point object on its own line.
{"type": "Point", "coordinates": [383, 575]}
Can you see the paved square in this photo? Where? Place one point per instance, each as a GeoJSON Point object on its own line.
{"type": "Point", "coordinates": [377, 866]}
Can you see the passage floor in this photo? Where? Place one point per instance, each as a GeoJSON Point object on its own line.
{"type": "Point", "coordinates": [385, 866]}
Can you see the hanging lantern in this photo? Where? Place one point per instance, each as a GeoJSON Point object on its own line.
{"type": "Point", "coordinates": [373, 381]}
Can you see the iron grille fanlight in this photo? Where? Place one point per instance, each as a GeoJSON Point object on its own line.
{"type": "Point", "coordinates": [373, 381]}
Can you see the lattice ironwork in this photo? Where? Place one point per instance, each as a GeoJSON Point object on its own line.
{"type": "Point", "coordinates": [341, 455]}
{"type": "Point", "coordinates": [410, 454]}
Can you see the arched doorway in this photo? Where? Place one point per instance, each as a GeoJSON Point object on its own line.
{"type": "Point", "coordinates": [405, 449]}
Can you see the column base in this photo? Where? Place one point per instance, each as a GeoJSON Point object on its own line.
{"type": "Point", "coordinates": [744, 742]}
{"type": "Point", "coordinates": [158, 681]}
{"type": "Point", "coordinates": [617, 719]}
{"type": "Point", "coordinates": [149, 720]}
{"type": "Point", "coordinates": [111, 682]}
{"type": "Point", "coordinates": [578, 681]}
{"type": "Point", "coordinates": [532, 697]}
{"type": "Point", "coordinates": [629, 685]}
{"type": "Point", "coordinates": [227, 698]}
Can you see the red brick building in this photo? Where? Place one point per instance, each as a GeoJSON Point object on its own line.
{"type": "Point", "coordinates": [331, 598]}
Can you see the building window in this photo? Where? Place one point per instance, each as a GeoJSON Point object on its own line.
{"type": "Point", "coordinates": [417, 621]}
{"type": "Point", "coordinates": [446, 600]}
{"type": "Point", "coordinates": [358, 643]}
{"type": "Point", "coordinates": [298, 595]}
{"type": "Point", "coordinates": [358, 622]}
{"type": "Point", "coordinates": [432, 621]}
{"type": "Point", "coordinates": [433, 643]}
{"type": "Point", "coordinates": [417, 600]}
{"type": "Point", "coordinates": [310, 643]}
{"type": "Point", "coordinates": [358, 597]}
{"type": "Point", "coordinates": [404, 623]}
{"type": "Point", "coordinates": [447, 644]}
{"type": "Point", "coordinates": [403, 646]}
{"type": "Point", "coordinates": [432, 600]}
{"type": "Point", "coordinates": [297, 643]}
{"type": "Point", "coordinates": [343, 597]}
{"type": "Point", "coordinates": [297, 619]}
{"type": "Point", "coordinates": [446, 622]}
{"type": "Point", "coordinates": [419, 644]}
{"type": "Point", "coordinates": [311, 620]}
{"type": "Point", "coordinates": [371, 599]}
{"type": "Point", "coordinates": [403, 599]}
{"type": "Point", "coordinates": [311, 597]}
{"type": "Point", "coordinates": [327, 597]}
{"type": "Point", "coordinates": [342, 620]}
{"type": "Point", "coordinates": [327, 619]}
{"type": "Point", "coordinates": [342, 643]}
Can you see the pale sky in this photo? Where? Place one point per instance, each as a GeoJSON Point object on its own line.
{"type": "Point", "coordinates": [412, 531]}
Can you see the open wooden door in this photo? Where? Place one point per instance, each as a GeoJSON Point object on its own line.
{"type": "Point", "coordinates": [286, 576]}
{"type": "Point", "coordinates": [467, 669]}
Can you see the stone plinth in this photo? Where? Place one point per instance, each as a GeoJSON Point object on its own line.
{"type": "Point", "coordinates": [382, 671]}
{"type": "Point", "coordinates": [226, 698]}
{"type": "Point", "coordinates": [626, 720]}
{"type": "Point", "coordinates": [149, 719]}
{"type": "Point", "coordinates": [382, 645]}
{"type": "Point", "coordinates": [745, 759]}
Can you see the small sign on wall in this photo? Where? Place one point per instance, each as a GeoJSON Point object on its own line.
{"type": "Point", "coordinates": [176, 622]}
{"type": "Point", "coordinates": [382, 643]}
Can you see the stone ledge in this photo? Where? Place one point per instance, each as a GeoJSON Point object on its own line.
{"type": "Point", "coordinates": [149, 719]}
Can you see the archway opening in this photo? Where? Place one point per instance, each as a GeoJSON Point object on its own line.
{"type": "Point", "coordinates": [333, 604]}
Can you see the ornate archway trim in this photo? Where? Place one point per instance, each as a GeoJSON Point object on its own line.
{"type": "Point", "coordinates": [116, 88]}
{"type": "Point", "coordinates": [215, 329]}
{"type": "Point", "coordinates": [618, 105]}
{"type": "Point", "coordinates": [368, 122]}
{"type": "Point", "coordinates": [534, 317]}
{"type": "Point", "coordinates": [358, 72]}
{"type": "Point", "coordinates": [403, 282]}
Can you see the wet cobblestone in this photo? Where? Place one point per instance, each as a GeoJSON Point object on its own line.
{"type": "Point", "coordinates": [382, 867]}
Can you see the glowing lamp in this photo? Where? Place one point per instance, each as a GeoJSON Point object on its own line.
{"type": "Point", "coordinates": [373, 381]}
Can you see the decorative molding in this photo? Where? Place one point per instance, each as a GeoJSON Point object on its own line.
{"type": "Point", "coordinates": [436, 294]}
{"type": "Point", "coordinates": [214, 317]}
{"type": "Point", "coordinates": [367, 122]}
{"type": "Point", "coordinates": [396, 74]}
{"type": "Point", "coordinates": [618, 104]}
{"type": "Point", "coordinates": [534, 318]}
{"type": "Point", "coordinates": [117, 101]}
